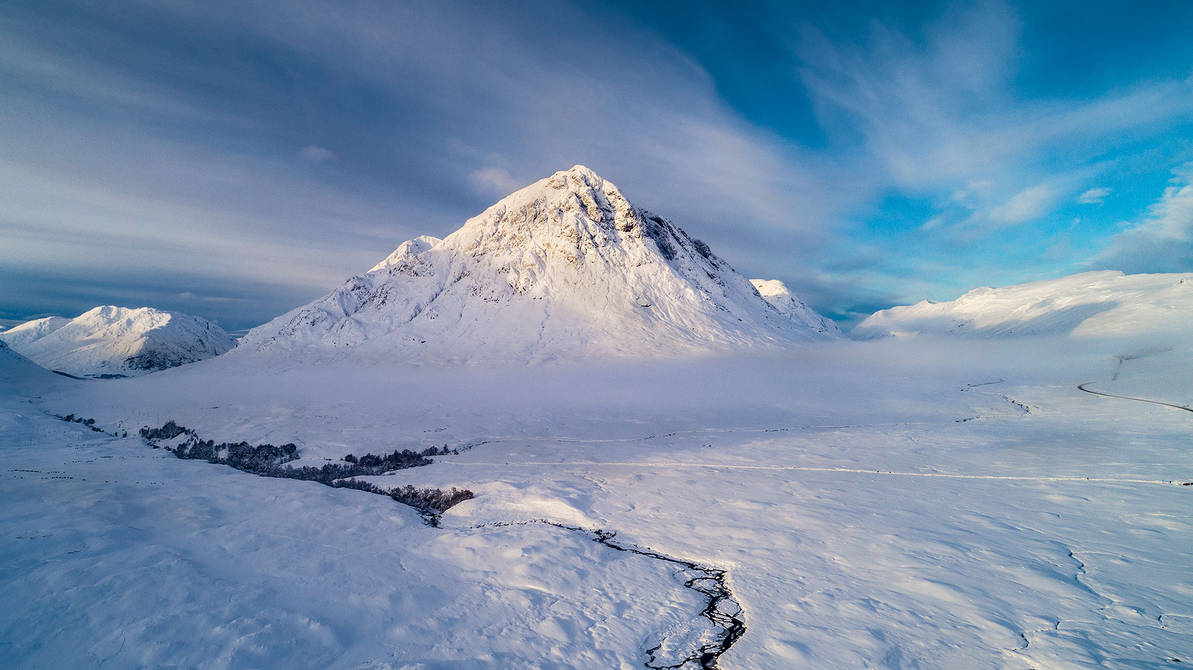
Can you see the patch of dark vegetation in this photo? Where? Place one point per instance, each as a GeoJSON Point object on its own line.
{"type": "Point", "coordinates": [430, 503]}
{"type": "Point", "coordinates": [399, 459]}
{"type": "Point", "coordinates": [168, 431]}
{"type": "Point", "coordinates": [268, 460]}
{"type": "Point", "coordinates": [258, 459]}
{"type": "Point", "coordinates": [90, 423]}
{"type": "Point", "coordinates": [1018, 405]}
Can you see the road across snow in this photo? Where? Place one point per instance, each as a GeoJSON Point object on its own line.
{"type": "Point", "coordinates": [798, 468]}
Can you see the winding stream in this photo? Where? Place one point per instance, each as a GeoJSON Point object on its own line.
{"type": "Point", "coordinates": [722, 609]}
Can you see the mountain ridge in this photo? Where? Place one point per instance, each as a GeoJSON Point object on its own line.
{"type": "Point", "coordinates": [1087, 304]}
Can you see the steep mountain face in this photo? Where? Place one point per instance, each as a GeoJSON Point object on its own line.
{"type": "Point", "coordinates": [781, 298]}
{"type": "Point", "coordinates": [118, 341]}
{"type": "Point", "coordinates": [1090, 304]}
{"type": "Point", "coordinates": [566, 267]}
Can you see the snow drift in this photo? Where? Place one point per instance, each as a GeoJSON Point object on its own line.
{"type": "Point", "coordinates": [1090, 305]}
{"type": "Point", "coordinates": [117, 341]}
{"type": "Point", "coordinates": [565, 268]}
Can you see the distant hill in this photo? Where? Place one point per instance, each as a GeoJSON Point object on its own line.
{"type": "Point", "coordinates": [117, 341]}
{"type": "Point", "coordinates": [1090, 304]}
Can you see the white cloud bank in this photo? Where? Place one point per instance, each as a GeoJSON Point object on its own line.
{"type": "Point", "coordinates": [1163, 240]}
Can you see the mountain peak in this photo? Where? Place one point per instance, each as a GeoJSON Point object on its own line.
{"type": "Point", "coordinates": [406, 250]}
{"type": "Point", "coordinates": [571, 190]}
{"type": "Point", "coordinates": [576, 222]}
{"type": "Point", "coordinates": [566, 266]}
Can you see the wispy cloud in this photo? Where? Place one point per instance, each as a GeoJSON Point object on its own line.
{"type": "Point", "coordinates": [494, 181]}
{"type": "Point", "coordinates": [316, 154]}
{"type": "Point", "coordinates": [1025, 205]}
{"type": "Point", "coordinates": [1093, 196]}
{"type": "Point", "coordinates": [290, 144]}
{"type": "Point", "coordinates": [940, 113]}
{"type": "Point", "coordinates": [416, 103]}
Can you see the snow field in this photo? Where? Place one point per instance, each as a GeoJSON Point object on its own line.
{"type": "Point", "coordinates": [890, 504]}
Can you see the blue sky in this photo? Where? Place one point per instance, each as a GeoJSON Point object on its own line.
{"type": "Point", "coordinates": [234, 160]}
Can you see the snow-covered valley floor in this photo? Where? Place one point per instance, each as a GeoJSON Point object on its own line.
{"type": "Point", "coordinates": [921, 504]}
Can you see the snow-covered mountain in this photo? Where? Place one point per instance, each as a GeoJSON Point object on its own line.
{"type": "Point", "coordinates": [1090, 304]}
{"type": "Point", "coordinates": [564, 268]}
{"type": "Point", "coordinates": [781, 298]}
{"type": "Point", "coordinates": [117, 341]}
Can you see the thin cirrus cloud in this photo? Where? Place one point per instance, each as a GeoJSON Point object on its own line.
{"type": "Point", "coordinates": [989, 170]}
{"type": "Point", "coordinates": [1094, 196]}
{"type": "Point", "coordinates": [941, 114]}
{"type": "Point", "coordinates": [1025, 205]}
{"type": "Point", "coordinates": [494, 181]}
{"type": "Point", "coordinates": [316, 154]}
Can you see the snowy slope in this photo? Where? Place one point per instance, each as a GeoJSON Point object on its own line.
{"type": "Point", "coordinates": [777, 294]}
{"type": "Point", "coordinates": [118, 341]}
{"type": "Point", "coordinates": [18, 372]}
{"type": "Point", "coordinates": [564, 268]}
{"type": "Point", "coordinates": [1090, 304]}
{"type": "Point", "coordinates": [21, 335]}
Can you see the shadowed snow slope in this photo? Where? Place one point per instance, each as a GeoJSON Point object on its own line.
{"type": "Point", "coordinates": [778, 295]}
{"type": "Point", "coordinates": [19, 373]}
{"type": "Point", "coordinates": [118, 341]}
{"type": "Point", "coordinates": [564, 268]}
{"type": "Point", "coordinates": [1091, 304]}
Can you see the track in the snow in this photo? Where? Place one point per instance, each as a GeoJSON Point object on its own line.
{"type": "Point", "coordinates": [1081, 387]}
{"type": "Point", "coordinates": [801, 468]}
